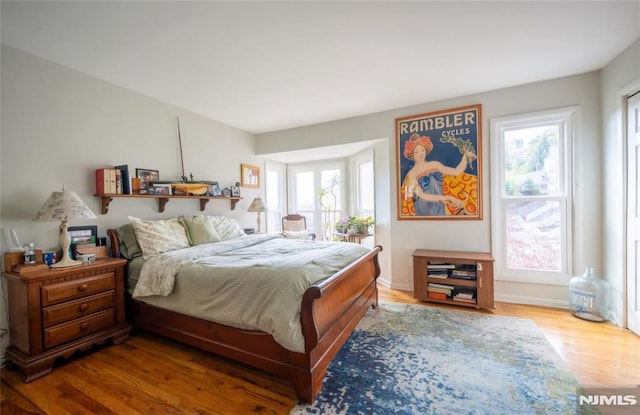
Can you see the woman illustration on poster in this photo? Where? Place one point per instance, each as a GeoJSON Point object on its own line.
{"type": "Point", "coordinates": [422, 187]}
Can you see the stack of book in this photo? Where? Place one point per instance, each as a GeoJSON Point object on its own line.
{"type": "Point", "coordinates": [113, 181]}
{"type": "Point", "coordinates": [467, 295]}
{"type": "Point", "coordinates": [462, 274]}
{"type": "Point", "coordinates": [439, 269]}
{"type": "Point", "coordinates": [439, 291]}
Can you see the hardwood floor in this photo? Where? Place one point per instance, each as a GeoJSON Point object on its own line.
{"type": "Point", "coordinates": [152, 375]}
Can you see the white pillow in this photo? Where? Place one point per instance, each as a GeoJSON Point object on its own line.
{"type": "Point", "coordinates": [158, 236]}
{"type": "Point", "coordinates": [227, 228]}
{"type": "Point", "coordinates": [296, 234]}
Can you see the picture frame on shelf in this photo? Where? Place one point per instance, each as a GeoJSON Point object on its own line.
{"type": "Point", "coordinates": [213, 189]}
{"type": "Point", "coordinates": [147, 177]}
{"type": "Point", "coordinates": [235, 191]}
{"type": "Point", "coordinates": [249, 176]}
{"type": "Point", "coordinates": [161, 189]}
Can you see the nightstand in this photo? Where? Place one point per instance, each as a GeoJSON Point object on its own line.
{"type": "Point", "coordinates": [57, 312]}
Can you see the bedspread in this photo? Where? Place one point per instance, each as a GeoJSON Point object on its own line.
{"type": "Point", "coordinates": [255, 282]}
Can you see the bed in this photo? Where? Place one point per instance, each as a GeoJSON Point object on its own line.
{"type": "Point", "coordinates": [329, 310]}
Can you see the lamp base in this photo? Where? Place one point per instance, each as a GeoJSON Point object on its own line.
{"type": "Point", "coordinates": [66, 262]}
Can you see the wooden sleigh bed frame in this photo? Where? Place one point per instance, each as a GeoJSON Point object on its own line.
{"type": "Point", "coordinates": [330, 312]}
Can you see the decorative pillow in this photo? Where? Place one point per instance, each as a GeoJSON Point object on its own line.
{"type": "Point", "coordinates": [158, 236]}
{"type": "Point", "coordinates": [200, 230]}
{"type": "Point", "coordinates": [227, 228]}
{"type": "Point", "coordinates": [129, 247]}
{"type": "Point", "coordinates": [293, 225]}
{"type": "Point", "coordinates": [296, 234]}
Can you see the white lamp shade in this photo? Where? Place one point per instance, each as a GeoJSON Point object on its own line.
{"type": "Point", "coordinates": [63, 206]}
{"type": "Point", "coordinates": [257, 205]}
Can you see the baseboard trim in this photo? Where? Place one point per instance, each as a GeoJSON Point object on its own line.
{"type": "Point", "coordinates": [520, 299]}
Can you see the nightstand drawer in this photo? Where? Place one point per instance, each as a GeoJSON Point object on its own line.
{"type": "Point", "coordinates": [73, 309]}
{"type": "Point", "coordinates": [56, 293]}
{"type": "Point", "coordinates": [79, 328]}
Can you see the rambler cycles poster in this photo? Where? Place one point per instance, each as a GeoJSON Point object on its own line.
{"type": "Point", "coordinates": [439, 164]}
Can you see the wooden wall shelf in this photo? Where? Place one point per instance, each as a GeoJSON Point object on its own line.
{"type": "Point", "coordinates": [164, 199]}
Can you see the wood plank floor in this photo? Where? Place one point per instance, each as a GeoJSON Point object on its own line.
{"type": "Point", "coordinates": [152, 375]}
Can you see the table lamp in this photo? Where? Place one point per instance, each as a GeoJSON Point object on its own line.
{"type": "Point", "coordinates": [64, 206]}
{"type": "Point", "coordinates": [257, 205]}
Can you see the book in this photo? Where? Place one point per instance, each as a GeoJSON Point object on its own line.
{"type": "Point", "coordinates": [439, 290]}
{"type": "Point", "coordinates": [440, 266]}
{"type": "Point", "coordinates": [103, 181]}
{"type": "Point", "coordinates": [126, 179]}
{"type": "Point", "coordinates": [435, 285]}
{"type": "Point", "coordinates": [436, 295]}
{"type": "Point", "coordinates": [118, 181]}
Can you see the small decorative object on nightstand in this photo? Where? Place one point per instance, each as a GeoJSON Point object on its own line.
{"type": "Point", "coordinates": [64, 206]}
{"type": "Point", "coordinates": [257, 206]}
{"type": "Point", "coordinates": [57, 312]}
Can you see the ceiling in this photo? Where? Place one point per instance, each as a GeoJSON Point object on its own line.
{"type": "Point", "coordinates": [265, 66]}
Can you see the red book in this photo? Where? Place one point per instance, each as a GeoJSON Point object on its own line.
{"type": "Point", "coordinates": [103, 181]}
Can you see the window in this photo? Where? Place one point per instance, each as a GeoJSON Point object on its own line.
{"type": "Point", "coordinates": [316, 192]}
{"type": "Point", "coordinates": [363, 185]}
{"type": "Point", "coordinates": [531, 190]}
{"type": "Point", "coordinates": [274, 195]}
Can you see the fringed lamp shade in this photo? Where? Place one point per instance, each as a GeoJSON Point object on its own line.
{"type": "Point", "coordinates": [64, 206]}
{"type": "Point", "coordinates": [257, 205]}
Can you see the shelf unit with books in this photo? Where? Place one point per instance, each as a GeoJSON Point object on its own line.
{"type": "Point", "coordinates": [164, 199]}
{"type": "Point", "coordinates": [453, 277]}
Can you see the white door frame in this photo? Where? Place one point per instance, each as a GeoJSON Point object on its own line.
{"type": "Point", "coordinates": [633, 213]}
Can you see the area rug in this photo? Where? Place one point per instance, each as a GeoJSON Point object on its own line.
{"type": "Point", "coordinates": [413, 359]}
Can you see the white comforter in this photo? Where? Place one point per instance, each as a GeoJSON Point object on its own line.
{"type": "Point", "coordinates": [253, 282]}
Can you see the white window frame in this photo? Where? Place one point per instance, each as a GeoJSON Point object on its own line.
{"type": "Point", "coordinates": [273, 217]}
{"type": "Point", "coordinates": [316, 168]}
{"type": "Point", "coordinates": [567, 120]}
{"type": "Point", "coordinates": [356, 162]}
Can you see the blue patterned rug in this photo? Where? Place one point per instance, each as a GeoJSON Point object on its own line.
{"type": "Point", "coordinates": [413, 359]}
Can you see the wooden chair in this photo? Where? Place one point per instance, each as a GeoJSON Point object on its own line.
{"type": "Point", "coordinates": [294, 224]}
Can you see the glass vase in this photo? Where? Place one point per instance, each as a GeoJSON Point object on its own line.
{"type": "Point", "coordinates": [589, 296]}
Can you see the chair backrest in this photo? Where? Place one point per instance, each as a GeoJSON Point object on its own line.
{"type": "Point", "coordinates": [294, 222]}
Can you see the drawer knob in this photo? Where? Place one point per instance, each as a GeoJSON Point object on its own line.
{"type": "Point", "coordinates": [83, 287]}
{"type": "Point", "coordinates": [83, 306]}
{"type": "Point", "coordinates": [84, 326]}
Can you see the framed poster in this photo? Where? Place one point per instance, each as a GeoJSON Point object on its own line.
{"type": "Point", "coordinates": [250, 175]}
{"type": "Point", "coordinates": [439, 164]}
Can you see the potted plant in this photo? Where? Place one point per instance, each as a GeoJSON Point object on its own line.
{"type": "Point", "coordinates": [354, 225]}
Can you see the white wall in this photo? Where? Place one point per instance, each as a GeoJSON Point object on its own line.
{"type": "Point", "coordinates": [59, 125]}
{"type": "Point", "coordinates": [401, 238]}
{"type": "Point", "coordinates": [620, 78]}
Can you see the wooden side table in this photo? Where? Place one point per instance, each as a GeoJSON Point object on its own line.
{"type": "Point", "coordinates": [56, 312]}
{"type": "Point", "coordinates": [351, 237]}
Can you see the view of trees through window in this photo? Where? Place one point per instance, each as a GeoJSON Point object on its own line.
{"type": "Point", "coordinates": [533, 194]}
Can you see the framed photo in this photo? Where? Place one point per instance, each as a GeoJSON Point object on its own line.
{"type": "Point", "coordinates": [147, 177]}
{"type": "Point", "coordinates": [250, 175]}
{"type": "Point", "coordinates": [439, 164]}
{"type": "Point", "coordinates": [213, 189]}
{"type": "Point", "coordinates": [161, 189]}
{"type": "Point", "coordinates": [235, 191]}
{"type": "Point", "coordinates": [83, 234]}
{"type": "Point", "coordinates": [86, 236]}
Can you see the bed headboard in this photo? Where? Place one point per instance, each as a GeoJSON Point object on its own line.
{"type": "Point", "coordinates": [115, 243]}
